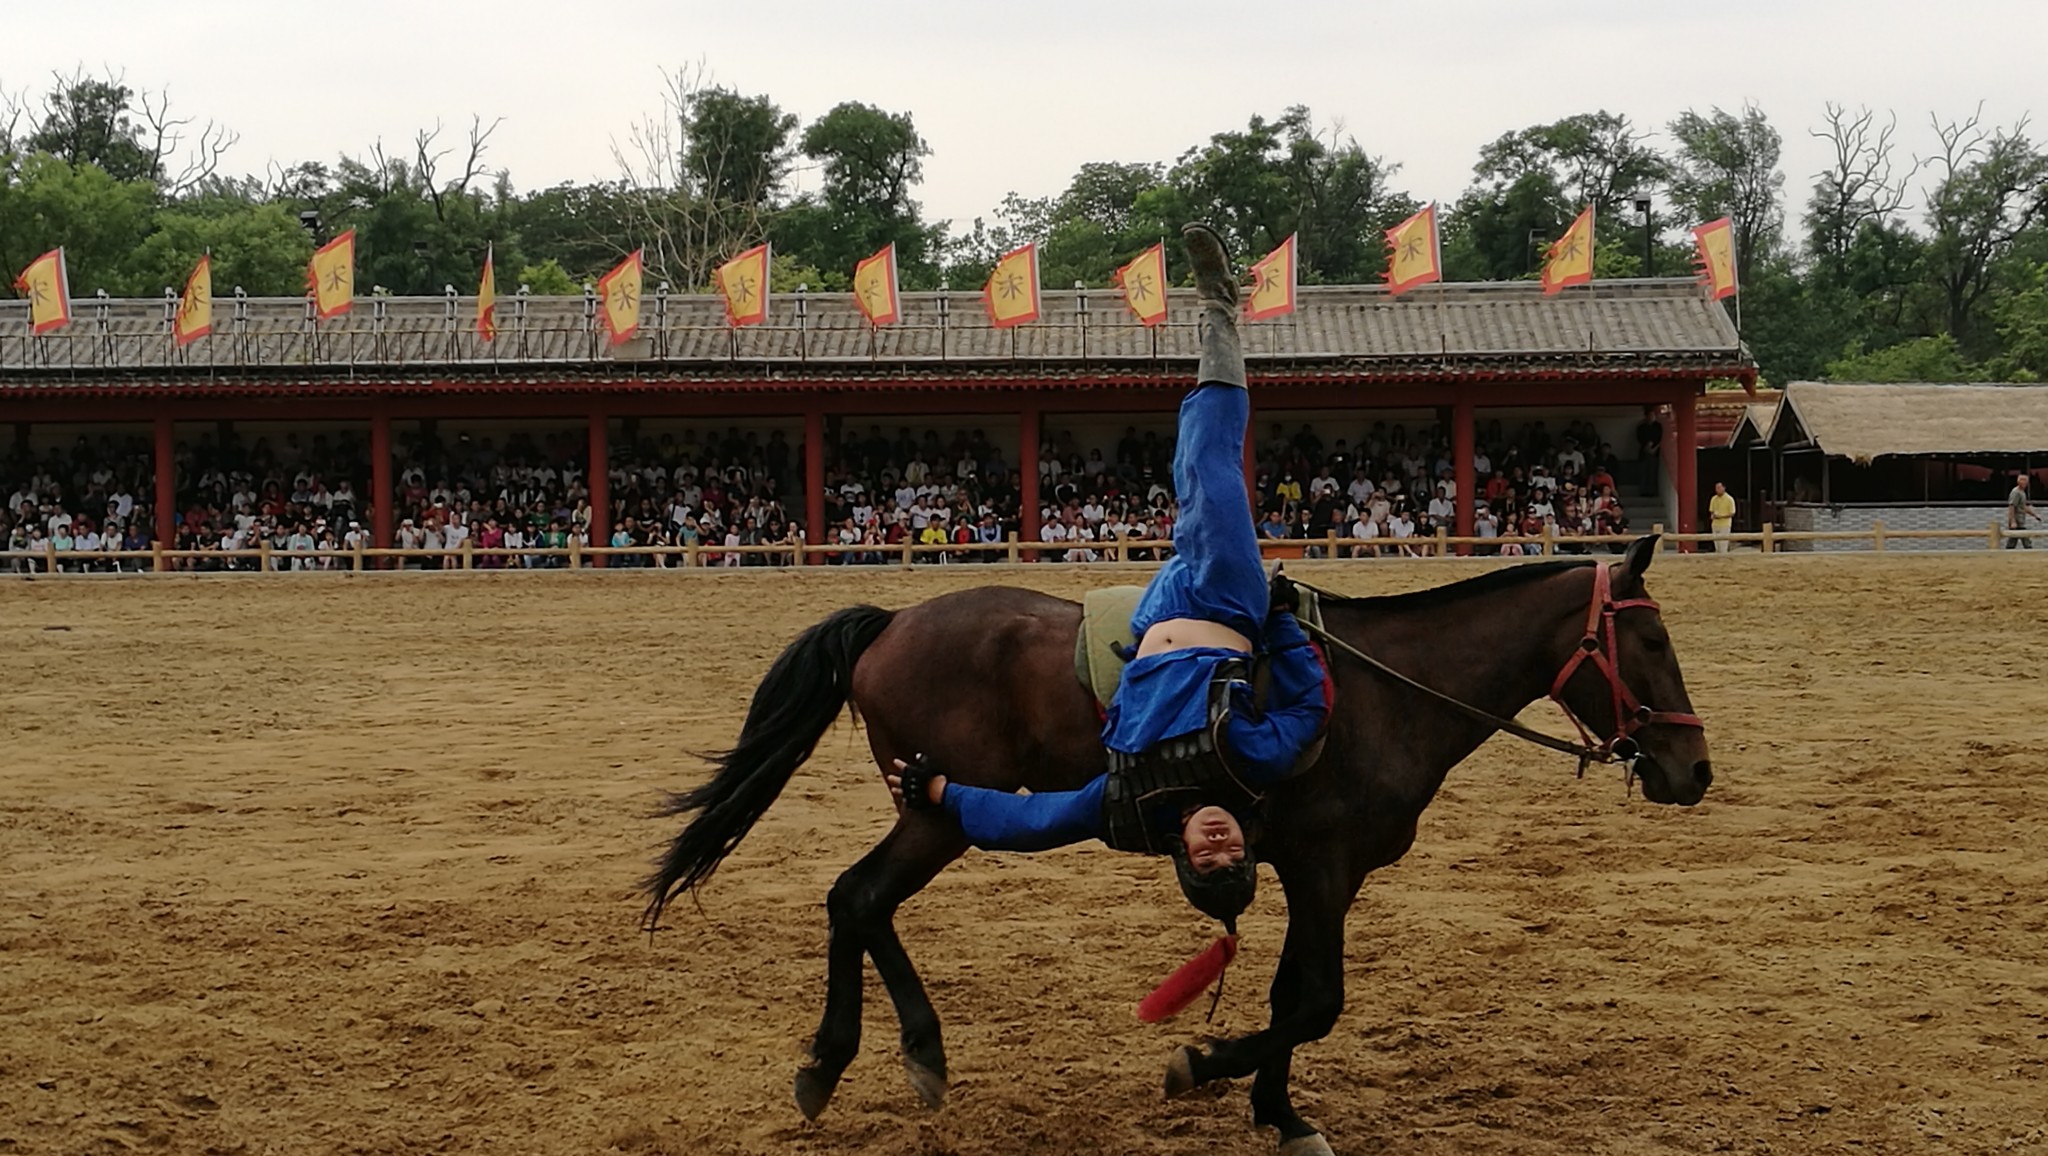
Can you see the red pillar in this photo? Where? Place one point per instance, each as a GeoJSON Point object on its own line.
{"type": "Point", "coordinates": [600, 487]}
{"type": "Point", "coordinates": [1463, 433]}
{"type": "Point", "coordinates": [383, 495]}
{"type": "Point", "coordinates": [1027, 472]}
{"type": "Point", "coordinates": [814, 479]}
{"type": "Point", "coordinates": [166, 500]}
{"type": "Point", "coordinates": [1685, 462]}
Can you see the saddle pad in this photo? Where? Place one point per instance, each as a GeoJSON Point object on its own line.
{"type": "Point", "coordinates": [1106, 621]}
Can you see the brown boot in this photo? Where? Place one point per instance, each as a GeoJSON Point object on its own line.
{"type": "Point", "coordinates": [1215, 279]}
{"type": "Point", "coordinates": [1222, 359]}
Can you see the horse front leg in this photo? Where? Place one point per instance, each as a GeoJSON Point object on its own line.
{"type": "Point", "coordinates": [862, 906]}
{"type": "Point", "coordinates": [1307, 996]}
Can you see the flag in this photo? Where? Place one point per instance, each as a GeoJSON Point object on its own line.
{"type": "Point", "coordinates": [487, 299]}
{"type": "Point", "coordinates": [1273, 277]}
{"type": "Point", "coordinates": [1144, 284]}
{"type": "Point", "coordinates": [195, 308]}
{"type": "Point", "coordinates": [744, 281]}
{"type": "Point", "coordinates": [1570, 261]}
{"type": "Point", "coordinates": [331, 275]}
{"type": "Point", "coordinates": [1716, 241]}
{"type": "Point", "coordinates": [874, 286]}
{"type": "Point", "coordinates": [1012, 290]}
{"type": "Point", "coordinates": [1413, 254]}
{"type": "Point", "coordinates": [618, 299]}
{"type": "Point", "coordinates": [49, 292]}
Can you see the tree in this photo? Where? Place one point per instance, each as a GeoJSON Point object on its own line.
{"type": "Point", "coordinates": [1989, 187]}
{"type": "Point", "coordinates": [1530, 184]}
{"type": "Point", "coordinates": [1727, 164]}
{"type": "Point", "coordinates": [1286, 176]}
{"type": "Point", "coordinates": [1936, 358]}
{"type": "Point", "coordinates": [702, 179]}
{"type": "Point", "coordinates": [869, 162]}
{"type": "Point", "coordinates": [100, 221]}
{"type": "Point", "coordinates": [1861, 186]}
{"type": "Point", "coordinates": [259, 248]}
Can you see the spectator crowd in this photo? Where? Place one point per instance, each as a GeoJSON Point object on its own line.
{"type": "Point", "coordinates": [733, 495]}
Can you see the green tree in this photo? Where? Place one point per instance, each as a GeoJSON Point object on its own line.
{"type": "Point", "coordinates": [1727, 164]}
{"type": "Point", "coordinates": [100, 221]}
{"type": "Point", "coordinates": [1936, 358]}
{"type": "Point", "coordinates": [259, 248]}
{"type": "Point", "coordinates": [89, 121]}
{"type": "Point", "coordinates": [870, 162]}
{"type": "Point", "coordinates": [1529, 185]}
{"type": "Point", "coordinates": [1989, 187]}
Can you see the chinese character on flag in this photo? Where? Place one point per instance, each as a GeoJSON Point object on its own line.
{"type": "Point", "coordinates": [195, 308]}
{"type": "Point", "coordinates": [744, 281]}
{"type": "Point", "coordinates": [49, 292]}
{"type": "Point", "coordinates": [1012, 290]}
{"type": "Point", "coordinates": [1716, 241]}
{"type": "Point", "coordinates": [874, 287]}
{"type": "Point", "coordinates": [1273, 278]}
{"type": "Point", "coordinates": [618, 299]}
{"type": "Point", "coordinates": [1570, 261]}
{"type": "Point", "coordinates": [1412, 252]}
{"type": "Point", "coordinates": [331, 275]}
{"type": "Point", "coordinates": [1144, 284]}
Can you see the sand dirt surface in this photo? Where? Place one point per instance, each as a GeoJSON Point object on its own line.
{"type": "Point", "coordinates": [341, 865]}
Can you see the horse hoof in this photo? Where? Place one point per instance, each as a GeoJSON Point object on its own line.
{"type": "Point", "coordinates": [813, 1091]}
{"type": "Point", "coordinates": [1312, 1144]}
{"type": "Point", "coordinates": [930, 1086]}
{"type": "Point", "coordinates": [1180, 1072]}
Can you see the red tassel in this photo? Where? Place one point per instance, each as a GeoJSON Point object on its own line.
{"type": "Point", "coordinates": [1187, 983]}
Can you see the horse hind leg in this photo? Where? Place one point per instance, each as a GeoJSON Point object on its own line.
{"type": "Point", "coordinates": [861, 907]}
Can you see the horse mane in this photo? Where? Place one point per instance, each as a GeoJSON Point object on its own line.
{"type": "Point", "coordinates": [1507, 577]}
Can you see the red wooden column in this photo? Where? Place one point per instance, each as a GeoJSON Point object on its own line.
{"type": "Point", "coordinates": [383, 494]}
{"type": "Point", "coordinates": [1685, 461]}
{"type": "Point", "coordinates": [1464, 419]}
{"type": "Point", "coordinates": [600, 487]}
{"type": "Point", "coordinates": [166, 500]}
{"type": "Point", "coordinates": [814, 480]}
{"type": "Point", "coordinates": [1027, 473]}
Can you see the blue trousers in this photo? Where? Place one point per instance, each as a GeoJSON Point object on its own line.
{"type": "Point", "coordinates": [1217, 575]}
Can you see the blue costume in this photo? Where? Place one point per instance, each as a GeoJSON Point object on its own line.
{"type": "Point", "coordinates": [1215, 575]}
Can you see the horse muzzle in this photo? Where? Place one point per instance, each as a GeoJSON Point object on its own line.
{"type": "Point", "coordinates": [1664, 784]}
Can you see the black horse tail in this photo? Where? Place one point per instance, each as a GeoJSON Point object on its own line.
{"type": "Point", "coordinates": [794, 706]}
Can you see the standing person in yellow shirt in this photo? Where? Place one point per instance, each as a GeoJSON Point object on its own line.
{"type": "Point", "coordinates": [1721, 514]}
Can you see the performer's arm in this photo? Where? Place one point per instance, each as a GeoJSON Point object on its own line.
{"type": "Point", "coordinates": [1298, 704]}
{"type": "Point", "coordinates": [1003, 821]}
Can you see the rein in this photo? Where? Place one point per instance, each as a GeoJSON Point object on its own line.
{"type": "Point", "coordinates": [1629, 713]}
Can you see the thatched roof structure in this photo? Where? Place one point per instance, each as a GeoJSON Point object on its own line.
{"type": "Point", "coordinates": [1753, 428]}
{"type": "Point", "coordinates": [1864, 422]}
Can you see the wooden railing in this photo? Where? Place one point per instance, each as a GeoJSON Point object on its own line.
{"type": "Point", "coordinates": [469, 557]}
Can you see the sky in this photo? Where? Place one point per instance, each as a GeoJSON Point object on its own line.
{"type": "Point", "coordinates": [1016, 96]}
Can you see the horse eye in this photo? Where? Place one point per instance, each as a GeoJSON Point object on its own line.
{"type": "Point", "coordinates": [1656, 644]}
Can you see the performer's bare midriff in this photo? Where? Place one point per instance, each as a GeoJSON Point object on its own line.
{"type": "Point", "coordinates": [1185, 633]}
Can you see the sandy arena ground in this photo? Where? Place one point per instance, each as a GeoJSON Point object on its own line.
{"type": "Point", "coordinates": [336, 865]}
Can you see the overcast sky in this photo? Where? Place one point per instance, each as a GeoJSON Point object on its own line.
{"type": "Point", "coordinates": [1015, 96]}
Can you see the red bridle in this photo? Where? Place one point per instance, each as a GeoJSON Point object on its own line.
{"type": "Point", "coordinates": [1630, 715]}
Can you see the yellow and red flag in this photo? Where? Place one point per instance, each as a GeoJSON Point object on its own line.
{"type": "Point", "coordinates": [1273, 278]}
{"type": "Point", "coordinates": [618, 299]}
{"type": "Point", "coordinates": [1570, 261]}
{"type": "Point", "coordinates": [49, 292]}
{"type": "Point", "coordinates": [331, 275]}
{"type": "Point", "coordinates": [1414, 256]}
{"type": "Point", "coordinates": [487, 299]}
{"type": "Point", "coordinates": [874, 287]}
{"type": "Point", "coordinates": [1144, 284]}
{"type": "Point", "coordinates": [744, 281]}
{"type": "Point", "coordinates": [1716, 241]}
{"type": "Point", "coordinates": [1012, 290]}
{"type": "Point", "coordinates": [195, 307]}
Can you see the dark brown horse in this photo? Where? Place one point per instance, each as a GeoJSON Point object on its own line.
{"type": "Point", "coordinates": [991, 674]}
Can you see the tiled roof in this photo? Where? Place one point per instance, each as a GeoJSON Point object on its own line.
{"type": "Point", "coordinates": [1437, 330]}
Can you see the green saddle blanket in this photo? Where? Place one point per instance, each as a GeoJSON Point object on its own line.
{"type": "Point", "coordinates": [1106, 624]}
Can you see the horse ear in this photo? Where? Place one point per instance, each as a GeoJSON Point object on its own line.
{"type": "Point", "coordinates": [1641, 553]}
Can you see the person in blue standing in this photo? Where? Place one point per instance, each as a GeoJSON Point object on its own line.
{"type": "Point", "coordinates": [1190, 751]}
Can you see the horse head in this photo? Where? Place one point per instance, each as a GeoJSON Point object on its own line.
{"type": "Point", "coordinates": [1623, 684]}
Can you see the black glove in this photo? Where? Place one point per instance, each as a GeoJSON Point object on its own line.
{"type": "Point", "coordinates": [1281, 594]}
{"type": "Point", "coordinates": [916, 779]}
